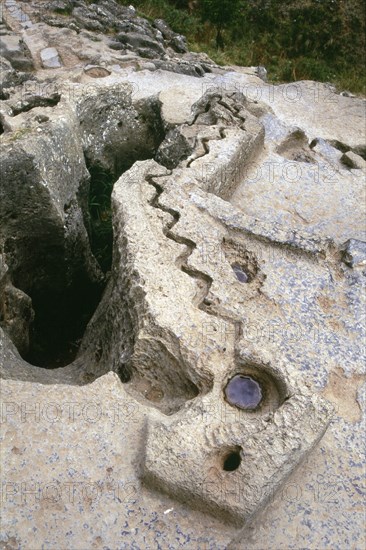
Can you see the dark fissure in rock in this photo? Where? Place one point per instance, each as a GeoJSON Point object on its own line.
{"type": "Point", "coordinates": [61, 316]}
{"type": "Point", "coordinates": [36, 101]}
{"type": "Point", "coordinates": [52, 287]}
{"type": "Point", "coordinates": [100, 231]}
{"type": "Point", "coordinates": [63, 302]}
{"type": "Point", "coordinates": [50, 262]}
{"type": "Point", "coordinates": [134, 133]}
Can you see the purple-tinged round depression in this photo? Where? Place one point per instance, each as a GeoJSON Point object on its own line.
{"type": "Point", "coordinates": [243, 392]}
{"type": "Point", "coordinates": [240, 273]}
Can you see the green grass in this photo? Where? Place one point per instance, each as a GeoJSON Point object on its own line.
{"type": "Point", "coordinates": [280, 68]}
{"type": "Point", "coordinates": [326, 49]}
{"type": "Point", "coordinates": [179, 20]}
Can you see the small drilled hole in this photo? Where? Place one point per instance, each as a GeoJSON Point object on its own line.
{"type": "Point", "coordinates": [231, 461]}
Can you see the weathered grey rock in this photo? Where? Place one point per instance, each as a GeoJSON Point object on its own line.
{"type": "Point", "coordinates": [17, 316]}
{"type": "Point", "coordinates": [294, 169]}
{"type": "Point", "coordinates": [218, 271]}
{"type": "Point", "coordinates": [87, 20]}
{"type": "Point", "coordinates": [3, 29]}
{"type": "Point", "coordinates": [139, 26]}
{"type": "Point", "coordinates": [175, 148]}
{"type": "Point", "coordinates": [177, 101]}
{"type": "Point", "coordinates": [116, 130]}
{"type": "Point", "coordinates": [17, 14]}
{"type": "Point", "coordinates": [176, 41]}
{"type": "Point", "coordinates": [150, 41]}
{"type": "Point", "coordinates": [61, 6]}
{"type": "Point", "coordinates": [114, 45]}
{"type": "Point", "coordinates": [144, 45]}
{"type": "Point", "coordinates": [14, 50]}
{"type": "Point", "coordinates": [43, 188]}
{"type": "Point", "coordinates": [355, 253]}
{"type": "Point", "coordinates": [353, 161]}
{"type": "Point", "coordinates": [16, 313]}
{"type": "Point", "coordinates": [182, 67]}
{"type": "Point", "coordinates": [50, 58]}
{"type": "Point", "coordinates": [262, 73]}
{"type": "Point", "coordinates": [148, 66]}
{"type": "Point", "coordinates": [10, 78]}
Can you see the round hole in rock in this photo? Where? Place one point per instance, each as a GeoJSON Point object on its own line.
{"type": "Point", "coordinates": [240, 273]}
{"type": "Point", "coordinates": [256, 377]}
{"type": "Point", "coordinates": [244, 392]}
{"type": "Point", "coordinates": [231, 460]}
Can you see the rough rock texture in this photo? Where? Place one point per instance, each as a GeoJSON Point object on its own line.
{"type": "Point", "coordinates": [12, 48]}
{"type": "Point", "coordinates": [238, 249]}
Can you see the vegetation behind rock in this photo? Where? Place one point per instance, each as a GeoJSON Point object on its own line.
{"type": "Point", "coordinates": [294, 39]}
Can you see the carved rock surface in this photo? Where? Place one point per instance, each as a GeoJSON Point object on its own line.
{"type": "Point", "coordinates": [237, 210]}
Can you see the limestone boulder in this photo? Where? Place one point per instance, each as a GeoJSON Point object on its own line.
{"type": "Point", "coordinates": [206, 389]}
